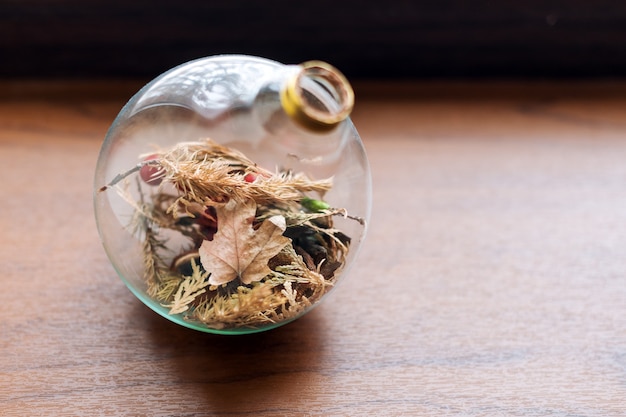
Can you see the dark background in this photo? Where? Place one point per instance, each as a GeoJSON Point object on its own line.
{"type": "Point", "coordinates": [365, 39]}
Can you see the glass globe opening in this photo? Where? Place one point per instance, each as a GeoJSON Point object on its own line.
{"type": "Point", "coordinates": [318, 97]}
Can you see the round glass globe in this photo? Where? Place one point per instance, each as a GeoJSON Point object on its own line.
{"type": "Point", "coordinates": [232, 193]}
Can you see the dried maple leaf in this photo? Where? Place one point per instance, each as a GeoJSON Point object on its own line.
{"type": "Point", "coordinates": [237, 250]}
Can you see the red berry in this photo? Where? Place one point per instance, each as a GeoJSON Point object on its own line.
{"type": "Point", "coordinates": [152, 174]}
{"type": "Point", "coordinates": [249, 177]}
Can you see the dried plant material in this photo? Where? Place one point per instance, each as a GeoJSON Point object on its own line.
{"type": "Point", "coordinates": [207, 172]}
{"type": "Point", "coordinates": [228, 244]}
{"type": "Point", "coordinates": [239, 251]}
{"type": "Point", "coordinates": [190, 288]}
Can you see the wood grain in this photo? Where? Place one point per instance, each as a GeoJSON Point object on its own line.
{"type": "Point", "coordinates": [492, 282]}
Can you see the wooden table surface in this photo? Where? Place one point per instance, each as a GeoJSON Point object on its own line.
{"type": "Point", "coordinates": [492, 281]}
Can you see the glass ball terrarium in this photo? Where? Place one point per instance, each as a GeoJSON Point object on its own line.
{"type": "Point", "coordinates": [232, 192]}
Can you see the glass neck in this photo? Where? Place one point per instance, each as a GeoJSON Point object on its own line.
{"type": "Point", "coordinates": [318, 96]}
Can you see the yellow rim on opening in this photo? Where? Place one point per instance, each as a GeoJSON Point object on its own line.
{"type": "Point", "coordinates": [294, 104]}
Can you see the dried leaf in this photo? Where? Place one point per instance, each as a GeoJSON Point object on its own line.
{"type": "Point", "coordinates": [237, 250]}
